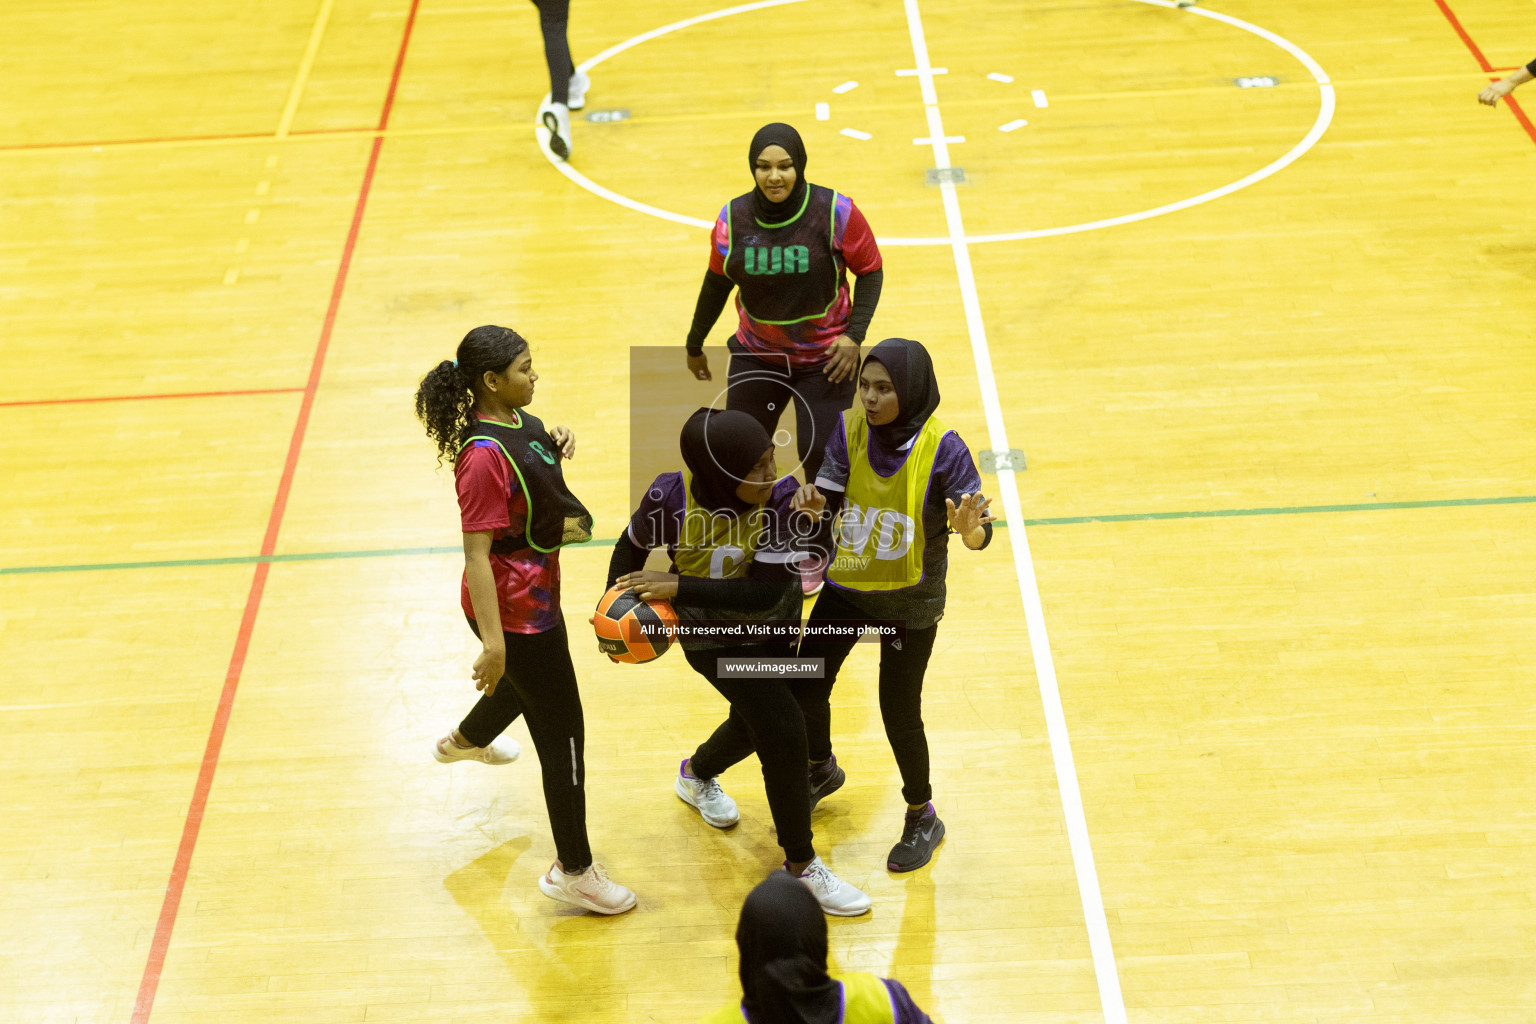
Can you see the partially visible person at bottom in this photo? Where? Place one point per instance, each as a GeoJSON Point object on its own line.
{"type": "Point", "coordinates": [567, 86]}
{"type": "Point", "coordinates": [516, 512]}
{"type": "Point", "coordinates": [782, 939]}
{"type": "Point", "coordinates": [897, 482]}
{"type": "Point", "coordinates": [1495, 91]}
{"type": "Point", "coordinates": [725, 520]}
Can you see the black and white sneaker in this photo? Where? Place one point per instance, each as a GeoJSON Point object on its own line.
{"type": "Point", "coordinates": [826, 778]}
{"type": "Point", "coordinates": [556, 119]}
{"type": "Point", "coordinates": [920, 836]}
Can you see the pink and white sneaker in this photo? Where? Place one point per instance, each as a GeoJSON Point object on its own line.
{"type": "Point", "coordinates": [591, 890]}
{"type": "Point", "coordinates": [502, 751]}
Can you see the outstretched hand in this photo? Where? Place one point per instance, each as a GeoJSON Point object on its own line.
{"type": "Point", "coordinates": [968, 518]}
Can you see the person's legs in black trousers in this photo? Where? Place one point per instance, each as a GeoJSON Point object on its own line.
{"type": "Point", "coordinates": [816, 694]}
{"type": "Point", "coordinates": [818, 404]}
{"type": "Point", "coordinates": [553, 17]}
{"type": "Point", "coordinates": [766, 711]}
{"type": "Point", "coordinates": [901, 708]}
{"type": "Point", "coordinates": [540, 683]}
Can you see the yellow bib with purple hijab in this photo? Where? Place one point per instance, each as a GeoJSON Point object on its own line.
{"type": "Point", "coordinates": [716, 545]}
{"type": "Point", "coordinates": [866, 1000]}
{"type": "Point", "coordinates": [880, 537]}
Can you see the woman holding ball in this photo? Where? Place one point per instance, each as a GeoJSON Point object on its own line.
{"type": "Point", "coordinates": [516, 512]}
{"type": "Point", "coordinates": [726, 521]}
{"type": "Point", "coordinates": [896, 483]}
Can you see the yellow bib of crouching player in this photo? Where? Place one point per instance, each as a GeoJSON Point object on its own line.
{"type": "Point", "coordinates": [865, 1001]}
{"type": "Point", "coordinates": [714, 545]}
{"type": "Point", "coordinates": [880, 537]}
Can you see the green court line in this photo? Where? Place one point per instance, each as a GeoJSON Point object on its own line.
{"type": "Point", "coordinates": [1130, 517]}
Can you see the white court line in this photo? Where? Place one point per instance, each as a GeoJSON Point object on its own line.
{"type": "Point", "coordinates": [845, 87]}
{"type": "Point", "coordinates": [854, 133]}
{"type": "Point", "coordinates": [1111, 1001]}
{"type": "Point", "coordinates": [823, 111]}
{"type": "Point", "coordinates": [542, 133]}
{"type": "Point", "coordinates": [1012, 125]}
{"type": "Point", "coordinates": [998, 76]}
{"type": "Point", "coordinates": [1038, 95]}
{"type": "Point", "coordinates": [1319, 126]}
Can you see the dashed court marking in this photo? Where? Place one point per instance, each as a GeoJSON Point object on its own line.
{"type": "Point", "coordinates": [998, 76]}
{"type": "Point", "coordinates": [845, 87]}
{"type": "Point", "coordinates": [1039, 97]}
{"type": "Point", "coordinates": [823, 111]}
{"type": "Point", "coordinates": [1012, 125]}
{"type": "Point", "coordinates": [1326, 106]}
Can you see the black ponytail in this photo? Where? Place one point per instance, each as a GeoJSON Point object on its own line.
{"type": "Point", "coordinates": [447, 393]}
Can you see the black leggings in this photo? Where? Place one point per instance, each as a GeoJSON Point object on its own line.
{"type": "Point", "coordinates": [901, 691]}
{"type": "Point", "coordinates": [765, 717]}
{"type": "Point", "coordinates": [758, 387]}
{"type": "Point", "coordinates": [553, 15]}
{"type": "Point", "coordinates": [540, 683]}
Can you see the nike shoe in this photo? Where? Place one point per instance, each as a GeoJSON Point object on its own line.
{"type": "Point", "coordinates": [836, 896]}
{"type": "Point", "coordinates": [591, 890]}
{"type": "Point", "coordinates": [580, 83]}
{"type": "Point", "coordinates": [826, 778]}
{"type": "Point", "coordinates": [503, 751]}
{"type": "Point", "coordinates": [556, 118]}
{"type": "Point", "coordinates": [920, 836]}
{"type": "Point", "coordinates": [706, 797]}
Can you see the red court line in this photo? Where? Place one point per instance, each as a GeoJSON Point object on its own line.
{"type": "Point", "coordinates": [160, 944]}
{"type": "Point", "coordinates": [145, 398]}
{"type": "Point", "coordinates": [1450, 16]}
{"type": "Point", "coordinates": [104, 143]}
{"type": "Point", "coordinates": [1482, 62]}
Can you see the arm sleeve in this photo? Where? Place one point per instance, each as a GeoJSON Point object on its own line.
{"type": "Point", "coordinates": [483, 481]}
{"type": "Point", "coordinates": [907, 1012]}
{"type": "Point", "coordinates": [748, 595]}
{"type": "Point", "coordinates": [861, 253]}
{"type": "Point", "coordinates": [712, 297]}
{"type": "Point", "coordinates": [866, 296]}
{"type": "Point", "coordinates": [627, 557]}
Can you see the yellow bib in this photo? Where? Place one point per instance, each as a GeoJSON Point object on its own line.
{"type": "Point", "coordinates": [865, 1001]}
{"type": "Point", "coordinates": [716, 546]}
{"type": "Point", "coordinates": [880, 537]}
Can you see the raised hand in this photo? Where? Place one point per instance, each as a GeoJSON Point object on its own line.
{"type": "Point", "coordinates": [969, 516]}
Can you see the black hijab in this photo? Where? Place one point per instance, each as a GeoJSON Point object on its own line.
{"type": "Point", "coordinates": [917, 389]}
{"type": "Point", "coordinates": [782, 937]}
{"type": "Point", "coordinates": [720, 447]}
{"type": "Point", "coordinates": [778, 134]}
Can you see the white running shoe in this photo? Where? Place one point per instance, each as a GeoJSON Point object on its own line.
{"type": "Point", "coordinates": [591, 890]}
{"type": "Point", "coordinates": [556, 118]}
{"type": "Point", "coordinates": [836, 896]}
{"type": "Point", "coordinates": [503, 751]}
{"type": "Point", "coordinates": [706, 796]}
{"type": "Point", "coordinates": [580, 83]}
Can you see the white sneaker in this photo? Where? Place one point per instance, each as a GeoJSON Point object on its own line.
{"type": "Point", "coordinates": [706, 796]}
{"type": "Point", "coordinates": [580, 83]}
{"type": "Point", "coordinates": [503, 751]}
{"type": "Point", "coordinates": [591, 890]}
{"type": "Point", "coordinates": [556, 118]}
{"type": "Point", "coordinates": [836, 896]}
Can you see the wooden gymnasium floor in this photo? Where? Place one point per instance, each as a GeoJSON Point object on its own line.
{"type": "Point", "coordinates": [1279, 501]}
